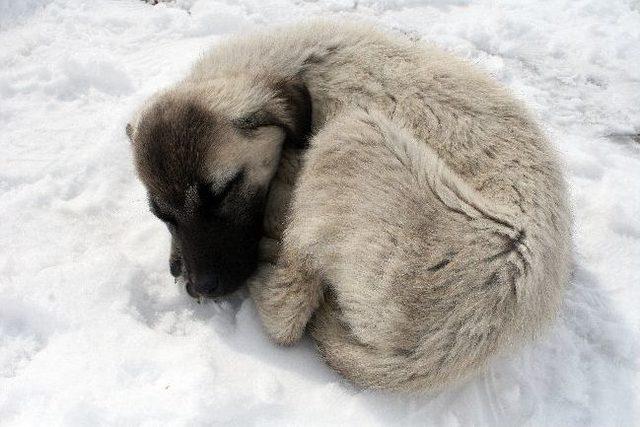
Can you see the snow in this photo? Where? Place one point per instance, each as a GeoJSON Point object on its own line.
{"type": "Point", "coordinates": [93, 329]}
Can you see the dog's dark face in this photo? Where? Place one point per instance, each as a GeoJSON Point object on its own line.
{"type": "Point", "coordinates": [207, 170]}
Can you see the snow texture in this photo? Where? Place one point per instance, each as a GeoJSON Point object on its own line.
{"type": "Point", "coordinates": [93, 330]}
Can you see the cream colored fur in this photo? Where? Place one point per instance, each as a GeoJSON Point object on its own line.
{"type": "Point", "coordinates": [428, 227]}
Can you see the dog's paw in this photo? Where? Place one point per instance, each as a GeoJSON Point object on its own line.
{"type": "Point", "coordinates": [285, 302]}
{"type": "Point", "coordinates": [268, 250]}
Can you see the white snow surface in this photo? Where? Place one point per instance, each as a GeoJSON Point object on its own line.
{"type": "Point", "coordinates": [93, 330]}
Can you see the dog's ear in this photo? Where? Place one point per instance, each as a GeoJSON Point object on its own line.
{"type": "Point", "coordinates": [290, 109]}
{"type": "Point", "coordinates": [129, 130]}
{"type": "Point", "coordinates": [298, 110]}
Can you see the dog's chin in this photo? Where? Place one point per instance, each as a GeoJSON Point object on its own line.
{"type": "Point", "coordinates": [183, 284]}
{"type": "Point", "coordinates": [199, 296]}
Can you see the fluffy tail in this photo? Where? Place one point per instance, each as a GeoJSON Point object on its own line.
{"type": "Point", "coordinates": [476, 304]}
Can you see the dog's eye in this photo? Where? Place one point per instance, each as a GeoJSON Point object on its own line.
{"type": "Point", "coordinates": [257, 120]}
{"type": "Point", "coordinates": [158, 212]}
{"type": "Point", "coordinates": [210, 199]}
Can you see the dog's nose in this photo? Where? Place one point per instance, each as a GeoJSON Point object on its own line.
{"type": "Point", "coordinates": [175, 267]}
{"type": "Point", "coordinates": [206, 285]}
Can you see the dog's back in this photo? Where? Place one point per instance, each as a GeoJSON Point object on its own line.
{"type": "Point", "coordinates": [428, 278]}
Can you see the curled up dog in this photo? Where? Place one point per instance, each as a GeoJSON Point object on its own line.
{"type": "Point", "coordinates": [386, 197]}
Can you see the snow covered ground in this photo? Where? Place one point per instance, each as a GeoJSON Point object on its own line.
{"type": "Point", "coordinates": [93, 329]}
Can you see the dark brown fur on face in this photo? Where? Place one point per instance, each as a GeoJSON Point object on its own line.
{"type": "Point", "coordinates": [213, 246]}
{"type": "Point", "coordinates": [215, 217]}
{"type": "Point", "coordinates": [171, 146]}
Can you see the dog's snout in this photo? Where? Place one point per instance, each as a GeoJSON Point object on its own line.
{"type": "Point", "coordinates": [175, 267]}
{"type": "Point", "coordinates": [206, 285]}
{"type": "Point", "coordinates": [192, 293]}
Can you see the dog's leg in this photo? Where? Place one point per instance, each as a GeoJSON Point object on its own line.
{"type": "Point", "coordinates": [285, 289]}
{"type": "Point", "coordinates": [286, 295]}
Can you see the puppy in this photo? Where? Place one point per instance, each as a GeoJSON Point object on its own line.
{"type": "Point", "coordinates": [383, 194]}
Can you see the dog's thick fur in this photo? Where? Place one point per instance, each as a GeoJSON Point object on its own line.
{"type": "Point", "coordinates": [428, 227]}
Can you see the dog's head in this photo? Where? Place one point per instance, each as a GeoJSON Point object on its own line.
{"type": "Point", "coordinates": [206, 154]}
